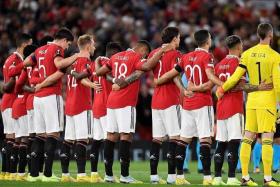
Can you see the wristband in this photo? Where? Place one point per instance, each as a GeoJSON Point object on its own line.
{"type": "Point", "coordinates": [71, 72]}
{"type": "Point", "coordinates": [114, 79]}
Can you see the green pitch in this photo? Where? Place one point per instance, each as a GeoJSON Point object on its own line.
{"type": "Point", "coordinates": [138, 170]}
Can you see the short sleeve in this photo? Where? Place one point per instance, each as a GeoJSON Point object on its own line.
{"type": "Point", "coordinates": [58, 53]}
{"type": "Point", "coordinates": [33, 59]}
{"type": "Point", "coordinates": [108, 63]}
{"type": "Point", "coordinates": [209, 62]}
{"type": "Point", "coordinates": [139, 64]}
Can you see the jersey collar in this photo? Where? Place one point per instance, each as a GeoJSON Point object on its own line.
{"type": "Point", "coordinates": [201, 49]}
{"type": "Point", "coordinates": [232, 56]}
{"type": "Point", "coordinates": [19, 55]}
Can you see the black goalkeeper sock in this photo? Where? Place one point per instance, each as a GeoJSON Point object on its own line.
{"type": "Point", "coordinates": [219, 158]}
{"type": "Point", "coordinates": [109, 157]}
{"type": "Point", "coordinates": [233, 147]}
{"type": "Point", "coordinates": [36, 156]}
{"type": "Point", "coordinates": [22, 158]}
{"type": "Point", "coordinates": [4, 156]}
{"type": "Point", "coordinates": [49, 149]}
{"type": "Point", "coordinates": [180, 156]}
{"type": "Point", "coordinates": [125, 157]}
{"type": "Point", "coordinates": [94, 154]}
{"type": "Point", "coordinates": [14, 158]}
{"type": "Point", "coordinates": [205, 157]}
{"type": "Point", "coordinates": [154, 156]}
{"type": "Point", "coordinates": [171, 157]}
{"type": "Point", "coordinates": [65, 156]}
{"type": "Point", "coordinates": [80, 156]}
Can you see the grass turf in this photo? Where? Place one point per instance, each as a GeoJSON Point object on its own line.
{"type": "Point", "coordinates": [139, 170]}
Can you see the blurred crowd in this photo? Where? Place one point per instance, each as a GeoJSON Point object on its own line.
{"type": "Point", "coordinates": [127, 21]}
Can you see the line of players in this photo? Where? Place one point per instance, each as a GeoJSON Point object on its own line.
{"type": "Point", "coordinates": [114, 111]}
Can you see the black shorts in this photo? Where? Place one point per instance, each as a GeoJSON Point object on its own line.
{"type": "Point", "coordinates": [277, 132]}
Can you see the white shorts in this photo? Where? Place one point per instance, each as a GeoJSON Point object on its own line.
{"type": "Point", "coordinates": [198, 123]}
{"type": "Point", "coordinates": [231, 128]}
{"type": "Point", "coordinates": [8, 121]}
{"type": "Point", "coordinates": [121, 120]}
{"type": "Point", "coordinates": [21, 129]}
{"type": "Point", "coordinates": [30, 121]}
{"type": "Point", "coordinates": [48, 114]}
{"type": "Point", "coordinates": [79, 126]}
{"type": "Point", "coordinates": [99, 128]}
{"type": "Point", "coordinates": [167, 121]}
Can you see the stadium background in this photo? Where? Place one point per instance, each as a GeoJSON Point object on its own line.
{"type": "Point", "coordinates": [127, 21]}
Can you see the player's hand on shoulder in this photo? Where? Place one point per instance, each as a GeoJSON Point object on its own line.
{"type": "Point", "coordinates": [168, 47]}
{"type": "Point", "coordinates": [37, 87]}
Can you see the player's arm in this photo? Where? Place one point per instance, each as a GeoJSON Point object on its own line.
{"type": "Point", "coordinates": [61, 63]}
{"type": "Point", "coordinates": [9, 86]}
{"type": "Point", "coordinates": [77, 75]}
{"type": "Point", "coordinates": [201, 88]}
{"type": "Point", "coordinates": [212, 77]}
{"type": "Point", "coordinates": [152, 62]}
{"type": "Point", "coordinates": [28, 88]}
{"type": "Point", "coordinates": [99, 69]}
{"type": "Point", "coordinates": [50, 80]}
{"type": "Point", "coordinates": [95, 85]}
{"type": "Point", "coordinates": [168, 76]}
{"type": "Point", "coordinates": [15, 70]}
{"type": "Point", "coordinates": [252, 88]}
{"type": "Point", "coordinates": [178, 82]}
{"type": "Point", "coordinates": [120, 83]}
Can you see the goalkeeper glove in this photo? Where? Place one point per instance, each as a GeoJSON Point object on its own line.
{"type": "Point", "coordinates": [220, 92]}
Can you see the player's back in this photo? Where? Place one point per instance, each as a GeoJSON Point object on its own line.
{"type": "Point", "coordinates": [167, 94]}
{"type": "Point", "coordinates": [8, 98]}
{"type": "Point", "coordinates": [101, 97]}
{"type": "Point", "coordinates": [45, 56]}
{"type": "Point", "coordinates": [259, 61]}
{"type": "Point", "coordinates": [124, 64]}
{"type": "Point", "coordinates": [224, 69]}
{"type": "Point", "coordinates": [195, 64]}
{"type": "Point", "coordinates": [78, 98]}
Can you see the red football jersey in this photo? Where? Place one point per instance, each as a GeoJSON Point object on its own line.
{"type": "Point", "coordinates": [33, 79]}
{"type": "Point", "coordinates": [11, 62]}
{"type": "Point", "coordinates": [78, 96]}
{"type": "Point", "coordinates": [44, 57]}
{"type": "Point", "coordinates": [19, 105]}
{"type": "Point", "coordinates": [194, 64]}
{"type": "Point", "coordinates": [124, 64]}
{"type": "Point", "coordinates": [167, 94]}
{"type": "Point", "coordinates": [101, 97]}
{"type": "Point", "coordinates": [224, 70]}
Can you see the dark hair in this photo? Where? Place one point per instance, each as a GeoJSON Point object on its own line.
{"type": "Point", "coordinates": [45, 40]}
{"type": "Point", "coordinates": [23, 38]}
{"type": "Point", "coordinates": [28, 50]}
{"type": "Point", "coordinates": [263, 30]}
{"type": "Point", "coordinates": [232, 41]}
{"type": "Point", "coordinates": [113, 46]}
{"type": "Point", "coordinates": [169, 33]}
{"type": "Point", "coordinates": [201, 37]}
{"type": "Point", "coordinates": [64, 33]}
{"type": "Point", "coordinates": [145, 43]}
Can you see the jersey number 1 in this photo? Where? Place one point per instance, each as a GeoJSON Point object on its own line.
{"type": "Point", "coordinates": [259, 71]}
